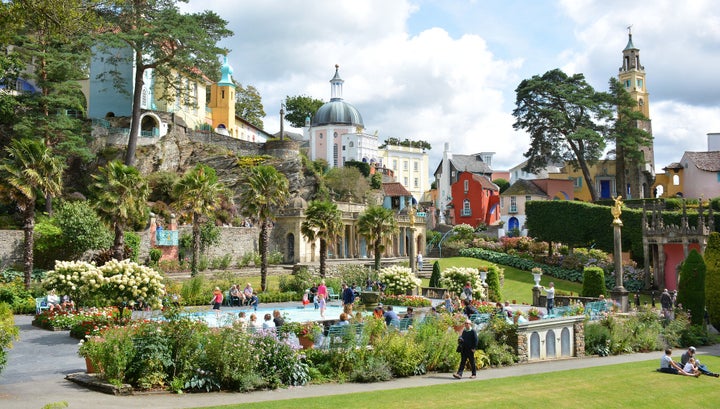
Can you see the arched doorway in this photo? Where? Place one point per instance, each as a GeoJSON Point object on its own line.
{"type": "Point", "coordinates": [149, 126]}
{"type": "Point", "coordinates": [513, 223]}
{"type": "Point", "coordinates": [290, 255]}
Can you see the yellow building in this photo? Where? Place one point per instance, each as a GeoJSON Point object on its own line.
{"type": "Point", "coordinates": [603, 176]}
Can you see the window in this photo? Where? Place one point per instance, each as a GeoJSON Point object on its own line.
{"type": "Point", "coordinates": [528, 198]}
{"type": "Point", "coordinates": [415, 166]}
{"type": "Point", "coordinates": [639, 83]}
{"type": "Point", "coordinates": [676, 180]}
{"type": "Point", "coordinates": [405, 181]}
{"type": "Point", "coordinates": [335, 155]}
{"type": "Point", "coordinates": [335, 135]}
{"type": "Point", "coordinates": [627, 83]}
{"type": "Point", "coordinates": [394, 164]}
{"type": "Point", "coordinates": [405, 165]}
{"type": "Point", "coordinates": [513, 204]}
{"type": "Point", "coordinates": [320, 136]}
{"type": "Point", "coordinates": [351, 144]}
{"type": "Point", "coordinates": [466, 211]}
{"type": "Point", "coordinates": [416, 183]}
{"type": "Point", "coordinates": [577, 182]}
{"type": "Point", "coordinates": [343, 147]}
{"type": "Point", "coordinates": [466, 185]}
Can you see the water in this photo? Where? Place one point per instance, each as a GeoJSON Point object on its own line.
{"type": "Point", "coordinates": [292, 314]}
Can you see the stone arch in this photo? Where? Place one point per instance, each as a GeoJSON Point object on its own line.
{"type": "Point", "coordinates": [150, 124]}
{"type": "Point", "coordinates": [565, 347]}
{"type": "Point", "coordinates": [550, 345]}
{"type": "Point", "coordinates": [534, 346]}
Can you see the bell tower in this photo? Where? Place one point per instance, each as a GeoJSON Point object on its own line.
{"type": "Point", "coordinates": [640, 174]}
{"type": "Point", "coordinates": [222, 102]}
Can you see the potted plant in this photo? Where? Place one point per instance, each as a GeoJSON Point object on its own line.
{"type": "Point", "coordinates": [537, 275]}
{"type": "Point", "coordinates": [533, 314]}
{"type": "Point", "coordinates": [306, 332]}
{"type": "Point", "coordinates": [91, 350]}
{"type": "Point", "coordinates": [458, 321]}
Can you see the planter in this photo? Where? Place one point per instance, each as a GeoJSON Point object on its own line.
{"type": "Point", "coordinates": [532, 318]}
{"type": "Point", "coordinates": [306, 342]}
{"type": "Point", "coordinates": [370, 299]}
{"type": "Point", "coordinates": [89, 367]}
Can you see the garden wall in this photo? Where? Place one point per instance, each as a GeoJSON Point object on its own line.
{"type": "Point", "coordinates": [554, 338]}
{"type": "Point", "coordinates": [11, 245]}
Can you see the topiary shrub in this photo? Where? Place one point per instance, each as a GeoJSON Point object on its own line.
{"type": "Point", "coordinates": [691, 287]}
{"type": "Point", "coordinates": [493, 282]}
{"type": "Point", "coordinates": [712, 278]}
{"type": "Point", "coordinates": [435, 277]}
{"type": "Point", "coordinates": [593, 282]}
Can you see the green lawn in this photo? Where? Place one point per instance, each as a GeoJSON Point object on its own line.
{"type": "Point", "coordinates": [518, 283]}
{"type": "Point", "coordinates": [631, 385]}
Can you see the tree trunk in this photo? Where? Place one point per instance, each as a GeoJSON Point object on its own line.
{"type": "Point", "coordinates": [264, 239]}
{"type": "Point", "coordinates": [28, 229]}
{"type": "Point", "coordinates": [119, 243]}
{"type": "Point", "coordinates": [135, 118]}
{"type": "Point", "coordinates": [195, 245]}
{"type": "Point", "coordinates": [323, 257]}
{"type": "Point", "coordinates": [620, 169]}
{"type": "Point", "coordinates": [377, 254]}
{"type": "Point", "coordinates": [588, 179]}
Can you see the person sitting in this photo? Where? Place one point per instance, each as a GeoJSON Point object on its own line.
{"type": "Point", "coordinates": [391, 317]}
{"type": "Point", "coordinates": [242, 320]}
{"type": "Point", "coordinates": [690, 354]}
{"type": "Point", "coordinates": [278, 319]}
{"type": "Point", "coordinates": [67, 303]}
{"type": "Point", "coordinates": [53, 301]}
{"type": "Point", "coordinates": [410, 313]}
{"type": "Point", "coordinates": [469, 309]}
{"type": "Point", "coordinates": [248, 293]}
{"type": "Point", "coordinates": [691, 368]}
{"type": "Point", "coordinates": [378, 312]}
{"type": "Point", "coordinates": [343, 319]}
{"type": "Point", "coordinates": [268, 324]}
{"type": "Point", "coordinates": [667, 365]}
{"type": "Point", "coordinates": [508, 309]}
{"type": "Point", "coordinates": [254, 323]}
{"type": "Point", "coordinates": [234, 296]}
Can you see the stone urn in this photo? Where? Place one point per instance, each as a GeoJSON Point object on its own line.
{"type": "Point", "coordinates": [370, 299]}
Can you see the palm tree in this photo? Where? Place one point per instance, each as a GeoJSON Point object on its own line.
{"type": "Point", "coordinates": [29, 170]}
{"type": "Point", "coordinates": [265, 190]}
{"type": "Point", "coordinates": [121, 194]}
{"type": "Point", "coordinates": [322, 222]}
{"type": "Point", "coordinates": [376, 224]}
{"type": "Point", "coordinates": [199, 193]}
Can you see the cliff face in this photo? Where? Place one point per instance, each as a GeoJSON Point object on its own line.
{"type": "Point", "coordinates": [181, 149]}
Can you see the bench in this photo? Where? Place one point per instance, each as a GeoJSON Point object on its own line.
{"type": "Point", "coordinates": [41, 305]}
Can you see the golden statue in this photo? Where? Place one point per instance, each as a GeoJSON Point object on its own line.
{"type": "Point", "coordinates": [411, 214]}
{"type": "Point", "coordinates": [617, 210]}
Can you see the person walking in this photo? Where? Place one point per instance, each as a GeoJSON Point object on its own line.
{"type": "Point", "coordinates": [217, 301]}
{"type": "Point", "coordinates": [348, 298]}
{"type": "Point", "coordinates": [550, 294]}
{"type": "Point", "coordinates": [467, 343]}
{"type": "Point", "coordinates": [419, 261]}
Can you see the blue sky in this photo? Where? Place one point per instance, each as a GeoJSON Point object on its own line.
{"type": "Point", "coordinates": [446, 71]}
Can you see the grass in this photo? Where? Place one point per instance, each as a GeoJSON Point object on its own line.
{"type": "Point", "coordinates": [632, 385]}
{"type": "Point", "coordinates": [518, 283]}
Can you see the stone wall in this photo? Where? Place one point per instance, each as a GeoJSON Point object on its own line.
{"type": "Point", "coordinates": [11, 246]}
{"type": "Point", "coordinates": [549, 339]}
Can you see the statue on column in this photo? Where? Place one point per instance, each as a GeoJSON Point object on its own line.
{"type": "Point", "coordinates": [411, 214]}
{"type": "Point", "coordinates": [616, 210]}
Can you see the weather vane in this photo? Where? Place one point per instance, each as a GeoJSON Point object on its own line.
{"type": "Point", "coordinates": [629, 28]}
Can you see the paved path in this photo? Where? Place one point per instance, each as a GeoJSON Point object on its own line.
{"type": "Point", "coordinates": [38, 363]}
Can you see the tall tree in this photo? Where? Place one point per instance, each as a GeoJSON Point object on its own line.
{"type": "Point", "coordinates": [29, 170]}
{"type": "Point", "coordinates": [265, 190]}
{"type": "Point", "coordinates": [162, 39]}
{"type": "Point", "coordinates": [691, 286]}
{"type": "Point", "coordinates": [52, 43]}
{"type": "Point", "coordinates": [377, 224]}
{"type": "Point", "coordinates": [299, 108]}
{"type": "Point", "coordinates": [248, 104]}
{"type": "Point", "coordinates": [199, 193]}
{"type": "Point", "coordinates": [712, 278]}
{"type": "Point", "coordinates": [323, 222]}
{"type": "Point", "coordinates": [120, 198]}
{"type": "Point", "coordinates": [566, 119]}
{"type": "Point", "coordinates": [630, 137]}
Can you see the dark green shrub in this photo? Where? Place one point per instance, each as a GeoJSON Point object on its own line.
{"type": "Point", "coordinates": [8, 332]}
{"type": "Point", "coordinates": [400, 352]}
{"type": "Point", "coordinates": [372, 369]}
{"type": "Point", "coordinates": [435, 276]}
{"type": "Point", "coordinates": [593, 282]}
{"type": "Point", "coordinates": [132, 240]}
{"type": "Point", "coordinates": [712, 278]}
{"type": "Point", "coordinates": [155, 255]}
{"type": "Point", "coordinates": [691, 287]}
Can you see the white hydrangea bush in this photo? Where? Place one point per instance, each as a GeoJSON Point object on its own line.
{"type": "Point", "coordinates": [398, 280]}
{"type": "Point", "coordinates": [454, 279]}
{"type": "Point", "coordinates": [126, 282]}
{"type": "Point", "coordinates": [116, 281]}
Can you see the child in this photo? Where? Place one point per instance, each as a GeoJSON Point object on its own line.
{"type": "Point", "coordinates": [306, 298]}
{"type": "Point", "coordinates": [448, 303]}
{"type": "Point", "coordinates": [216, 301]}
{"type": "Point", "coordinates": [691, 368]}
{"type": "Point", "coordinates": [321, 303]}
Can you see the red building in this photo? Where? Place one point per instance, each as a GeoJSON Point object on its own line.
{"type": "Point", "coordinates": [475, 200]}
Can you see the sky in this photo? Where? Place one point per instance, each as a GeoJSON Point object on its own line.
{"type": "Point", "coordinates": [446, 70]}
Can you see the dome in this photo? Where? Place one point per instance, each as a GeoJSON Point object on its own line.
{"type": "Point", "coordinates": [297, 203]}
{"type": "Point", "coordinates": [337, 112]}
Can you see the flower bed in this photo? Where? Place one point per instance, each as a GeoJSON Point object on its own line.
{"type": "Point", "coordinates": [406, 300]}
{"type": "Point", "coordinates": [64, 320]}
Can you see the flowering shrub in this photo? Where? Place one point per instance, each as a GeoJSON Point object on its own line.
{"type": "Point", "coordinates": [406, 300]}
{"type": "Point", "coordinates": [126, 281]}
{"type": "Point", "coordinates": [67, 319]}
{"type": "Point", "coordinates": [118, 282]}
{"type": "Point", "coordinates": [398, 280]}
{"type": "Point", "coordinates": [454, 279]}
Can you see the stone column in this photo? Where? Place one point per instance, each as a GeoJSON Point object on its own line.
{"type": "Point", "coordinates": [619, 294]}
{"type": "Point", "coordinates": [413, 250]}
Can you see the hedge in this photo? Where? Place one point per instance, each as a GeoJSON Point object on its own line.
{"type": "Point", "coordinates": [691, 287]}
{"type": "Point", "coordinates": [712, 278]}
